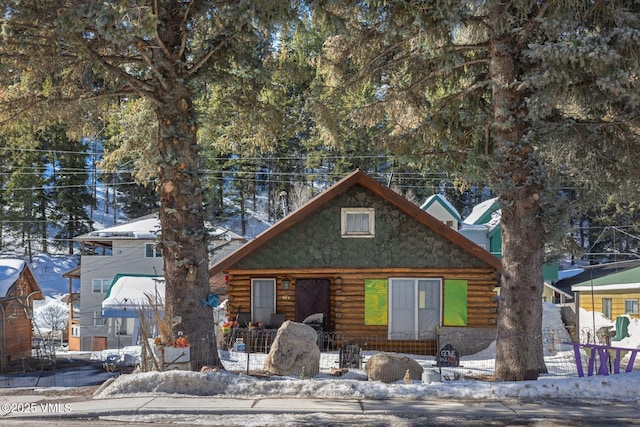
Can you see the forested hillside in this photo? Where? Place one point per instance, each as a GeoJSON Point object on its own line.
{"type": "Point", "coordinates": [54, 188]}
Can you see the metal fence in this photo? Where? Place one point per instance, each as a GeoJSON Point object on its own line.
{"type": "Point", "coordinates": [348, 355]}
{"type": "Point", "coordinates": [246, 351]}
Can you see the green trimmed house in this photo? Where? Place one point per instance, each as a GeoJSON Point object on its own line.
{"type": "Point", "coordinates": [483, 226]}
{"type": "Point", "coordinates": [485, 216]}
{"type": "Point", "coordinates": [374, 264]}
{"type": "Point", "coordinates": [440, 208]}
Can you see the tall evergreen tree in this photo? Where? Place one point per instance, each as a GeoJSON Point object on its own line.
{"type": "Point", "coordinates": [163, 51]}
{"type": "Point", "coordinates": [499, 88]}
{"type": "Point", "coordinates": [26, 198]}
{"type": "Point", "coordinates": [69, 182]}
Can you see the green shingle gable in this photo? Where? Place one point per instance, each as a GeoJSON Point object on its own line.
{"type": "Point", "coordinates": [400, 241]}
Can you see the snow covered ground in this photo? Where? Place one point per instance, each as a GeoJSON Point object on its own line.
{"type": "Point", "coordinates": [622, 387]}
{"type": "Point", "coordinates": [354, 384]}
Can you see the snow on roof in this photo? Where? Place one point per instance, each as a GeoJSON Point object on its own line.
{"type": "Point", "coordinates": [128, 294]}
{"type": "Point", "coordinates": [479, 210]}
{"type": "Point", "coordinates": [496, 217]}
{"type": "Point", "coordinates": [445, 202]}
{"type": "Point", "coordinates": [479, 227]}
{"type": "Point", "coordinates": [614, 287]}
{"type": "Point", "coordinates": [147, 228]}
{"type": "Point", "coordinates": [10, 270]}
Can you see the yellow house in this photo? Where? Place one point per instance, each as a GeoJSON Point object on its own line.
{"type": "Point", "coordinates": [613, 295]}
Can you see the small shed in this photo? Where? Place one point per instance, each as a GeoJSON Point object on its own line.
{"type": "Point", "coordinates": [18, 289]}
{"type": "Point", "coordinates": [374, 264]}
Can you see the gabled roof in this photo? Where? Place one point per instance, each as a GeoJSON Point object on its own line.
{"type": "Point", "coordinates": [357, 178]}
{"type": "Point", "coordinates": [483, 213]}
{"type": "Point", "coordinates": [441, 200]}
{"type": "Point", "coordinates": [10, 271]}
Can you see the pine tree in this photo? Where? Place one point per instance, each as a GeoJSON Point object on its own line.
{"type": "Point", "coordinates": [26, 198]}
{"type": "Point", "coordinates": [499, 89]}
{"type": "Point", "coordinates": [165, 52]}
{"type": "Point", "coordinates": [69, 181]}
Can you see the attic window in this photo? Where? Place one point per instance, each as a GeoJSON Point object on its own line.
{"type": "Point", "coordinates": [358, 222]}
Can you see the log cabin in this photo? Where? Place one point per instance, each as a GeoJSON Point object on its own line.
{"type": "Point", "coordinates": [374, 264]}
{"type": "Point", "coordinates": [18, 289]}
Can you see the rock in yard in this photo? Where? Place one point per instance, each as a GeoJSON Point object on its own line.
{"type": "Point", "coordinates": [294, 351]}
{"type": "Point", "coordinates": [389, 368]}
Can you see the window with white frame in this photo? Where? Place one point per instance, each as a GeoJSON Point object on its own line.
{"type": "Point", "coordinates": [98, 320]}
{"type": "Point", "coordinates": [357, 222]}
{"type": "Point", "coordinates": [152, 250]}
{"type": "Point", "coordinates": [75, 330]}
{"type": "Point", "coordinates": [414, 308]}
{"type": "Point", "coordinates": [263, 300]}
{"type": "Point", "coordinates": [631, 306]}
{"type": "Point", "coordinates": [100, 285]}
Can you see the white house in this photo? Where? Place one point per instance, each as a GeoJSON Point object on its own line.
{"type": "Point", "coordinates": [130, 249]}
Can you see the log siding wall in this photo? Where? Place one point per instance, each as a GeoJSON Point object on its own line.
{"type": "Point", "coordinates": [347, 303]}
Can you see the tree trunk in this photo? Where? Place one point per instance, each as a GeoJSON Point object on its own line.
{"type": "Point", "coordinates": [184, 237]}
{"type": "Point", "coordinates": [519, 352]}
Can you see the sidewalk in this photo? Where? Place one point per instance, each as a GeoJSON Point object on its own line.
{"type": "Point", "coordinates": [69, 407]}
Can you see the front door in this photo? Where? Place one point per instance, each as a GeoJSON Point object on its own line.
{"type": "Point", "coordinates": [312, 296]}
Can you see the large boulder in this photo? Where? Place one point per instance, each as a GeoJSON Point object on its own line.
{"type": "Point", "coordinates": [294, 351]}
{"type": "Point", "coordinates": [389, 368]}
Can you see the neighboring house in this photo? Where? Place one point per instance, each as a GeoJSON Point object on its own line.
{"type": "Point", "coordinates": [440, 208]}
{"type": "Point", "coordinates": [18, 289]}
{"type": "Point", "coordinates": [372, 263]}
{"type": "Point", "coordinates": [483, 227]}
{"type": "Point", "coordinates": [614, 294]}
{"type": "Point", "coordinates": [126, 249]}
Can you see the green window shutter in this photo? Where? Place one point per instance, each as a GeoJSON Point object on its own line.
{"type": "Point", "coordinates": [375, 301]}
{"type": "Point", "coordinates": [455, 303]}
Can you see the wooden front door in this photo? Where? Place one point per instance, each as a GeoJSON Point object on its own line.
{"type": "Point", "coordinates": [312, 296]}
